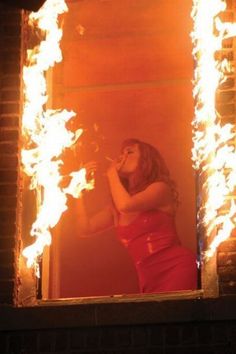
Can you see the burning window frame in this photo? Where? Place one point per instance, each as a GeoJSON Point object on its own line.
{"type": "Point", "coordinates": [206, 125]}
{"type": "Point", "coordinates": [213, 132]}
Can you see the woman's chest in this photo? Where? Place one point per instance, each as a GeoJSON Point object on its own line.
{"type": "Point", "coordinates": [126, 219]}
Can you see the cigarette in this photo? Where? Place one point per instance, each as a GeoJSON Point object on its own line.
{"type": "Point", "coordinates": [109, 158]}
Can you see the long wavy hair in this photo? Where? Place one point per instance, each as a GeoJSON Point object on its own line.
{"type": "Point", "coordinates": [151, 168]}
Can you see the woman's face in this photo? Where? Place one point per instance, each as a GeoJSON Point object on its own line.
{"type": "Point", "coordinates": [129, 158]}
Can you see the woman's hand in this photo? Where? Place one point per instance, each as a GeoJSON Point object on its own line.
{"type": "Point", "coordinates": [115, 166]}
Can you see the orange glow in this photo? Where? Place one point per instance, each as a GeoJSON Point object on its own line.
{"type": "Point", "coordinates": [45, 134]}
{"type": "Point", "coordinates": [212, 153]}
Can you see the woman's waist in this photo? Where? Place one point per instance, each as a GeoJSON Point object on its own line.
{"type": "Point", "coordinates": [167, 257]}
{"type": "Point", "coordinates": [143, 246]}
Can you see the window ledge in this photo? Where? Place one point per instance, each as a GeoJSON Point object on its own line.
{"type": "Point", "coordinates": [119, 310]}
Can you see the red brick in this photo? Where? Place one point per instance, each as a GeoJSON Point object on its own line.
{"type": "Point", "coordinates": [225, 96]}
{"type": "Point", "coordinates": [10, 17]}
{"type": "Point", "coordinates": [233, 234]}
{"type": "Point", "coordinates": [6, 299]}
{"type": "Point", "coordinates": [7, 272]}
{"type": "Point", "coordinates": [8, 216]}
{"type": "Point", "coordinates": [9, 162]}
{"type": "Point", "coordinates": [8, 230]}
{"type": "Point", "coordinates": [8, 202]}
{"type": "Point", "coordinates": [227, 273]}
{"type": "Point", "coordinates": [227, 43]}
{"type": "Point", "coordinates": [8, 176]}
{"type": "Point", "coordinates": [9, 108]}
{"type": "Point", "coordinates": [10, 80]}
{"type": "Point", "coordinates": [10, 95]}
{"type": "Point", "coordinates": [7, 257]}
{"type": "Point", "coordinates": [9, 135]}
{"type": "Point", "coordinates": [228, 119]}
{"type": "Point", "coordinates": [8, 189]}
{"type": "Point", "coordinates": [227, 288]}
{"type": "Point", "coordinates": [12, 54]}
{"type": "Point", "coordinates": [225, 109]}
{"type": "Point", "coordinates": [229, 4]}
{"type": "Point", "coordinates": [11, 30]}
{"type": "Point", "coordinates": [226, 258]}
{"type": "Point", "coordinates": [6, 286]}
{"type": "Point", "coordinates": [7, 243]}
{"type": "Point", "coordinates": [8, 148]}
{"type": "Point", "coordinates": [228, 245]}
{"type": "Point", "coordinates": [9, 121]}
{"type": "Point", "coordinates": [227, 16]}
{"type": "Point", "coordinates": [226, 54]}
{"type": "Point", "coordinates": [11, 43]}
{"type": "Point", "coordinates": [11, 67]}
{"type": "Point", "coordinates": [227, 84]}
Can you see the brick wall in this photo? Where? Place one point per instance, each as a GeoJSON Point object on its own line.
{"type": "Point", "coordinates": [204, 338]}
{"type": "Point", "coordinates": [157, 327]}
{"type": "Point", "coordinates": [10, 67]}
{"type": "Point", "coordinates": [226, 261]}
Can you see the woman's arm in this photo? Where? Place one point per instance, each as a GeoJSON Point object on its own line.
{"type": "Point", "coordinates": [156, 195]}
{"type": "Point", "coordinates": [99, 222]}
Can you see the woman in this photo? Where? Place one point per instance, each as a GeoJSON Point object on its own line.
{"type": "Point", "coordinates": [144, 202]}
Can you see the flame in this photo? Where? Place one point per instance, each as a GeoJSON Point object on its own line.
{"type": "Point", "coordinates": [45, 134]}
{"type": "Point", "coordinates": [213, 152]}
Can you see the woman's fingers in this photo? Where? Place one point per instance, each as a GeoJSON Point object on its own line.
{"type": "Point", "coordinates": [120, 162]}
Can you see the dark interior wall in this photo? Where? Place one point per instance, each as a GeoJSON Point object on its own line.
{"type": "Point", "coordinates": [127, 72]}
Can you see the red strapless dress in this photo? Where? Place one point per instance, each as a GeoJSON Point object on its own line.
{"type": "Point", "coordinates": [162, 263]}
